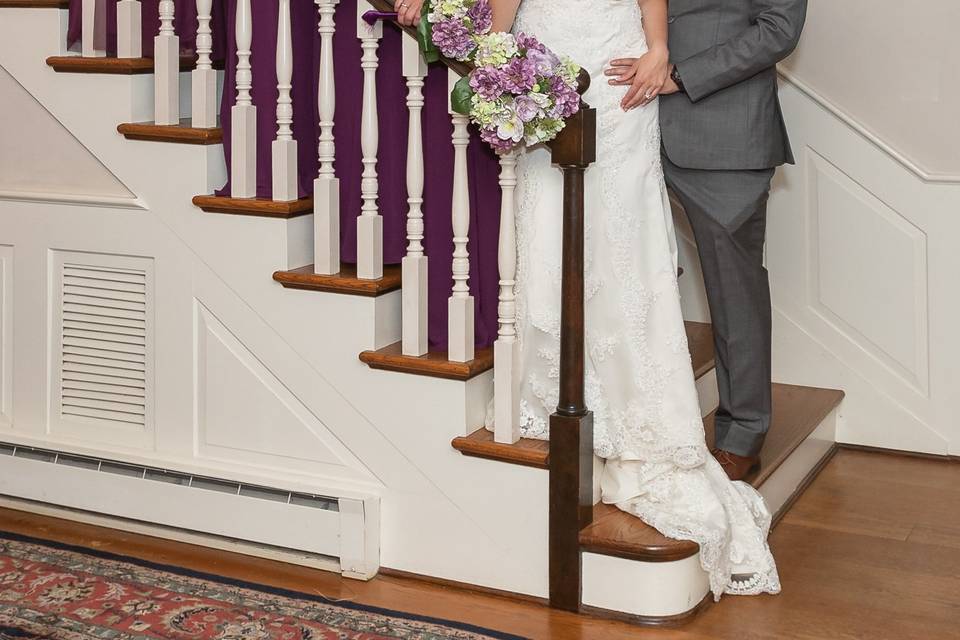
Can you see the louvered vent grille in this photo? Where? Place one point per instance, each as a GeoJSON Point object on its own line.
{"type": "Point", "coordinates": [104, 344]}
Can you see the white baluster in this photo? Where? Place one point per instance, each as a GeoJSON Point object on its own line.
{"type": "Point", "coordinates": [370, 222]}
{"type": "Point", "coordinates": [129, 39]}
{"type": "Point", "coordinates": [284, 148]}
{"type": "Point", "coordinates": [506, 348]}
{"type": "Point", "coordinates": [204, 78]}
{"type": "Point", "coordinates": [243, 114]}
{"type": "Point", "coordinates": [326, 187]}
{"type": "Point", "coordinates": [414, 264]}
{"type": "Point", "coordinates": [93, 28]}
{"type": "Point", "coordinates": [166, 69]}
{"type": "Point", "coordinates": [460, 305]}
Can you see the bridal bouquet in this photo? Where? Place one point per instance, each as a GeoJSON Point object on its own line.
{"type": "Point", "coordinates": [519, 91]}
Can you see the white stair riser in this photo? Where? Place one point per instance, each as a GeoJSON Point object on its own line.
{"type": "Point", "coordinates": [785, 481]}
{"type": "Point", "coordinates": [708, 393]}
{"type": "Point", "coordinates": [673, 588]}
{"type": "Point", "coordinates": [643, 588]}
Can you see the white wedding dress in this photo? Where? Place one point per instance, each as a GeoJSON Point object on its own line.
{"type": "Point", "coordinates": [639, 379]}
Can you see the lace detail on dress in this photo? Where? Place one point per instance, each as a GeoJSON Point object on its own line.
{"type": "Point", "coordinates": [638, 380]}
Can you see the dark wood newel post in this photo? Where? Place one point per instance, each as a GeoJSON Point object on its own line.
{"type": "Point", "coordinates": [571, 427]}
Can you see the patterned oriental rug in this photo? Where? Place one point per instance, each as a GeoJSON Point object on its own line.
{"type": "Point", "coordinates": [52, 591]}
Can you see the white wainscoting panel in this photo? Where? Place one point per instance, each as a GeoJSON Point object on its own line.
{"type": "Point", "coordinates": [245, 414]}
{"type": "Point", "coordinates": [863, 265]}
{"type": "Point", "coordinates": [101, 346]}
{"type": "Point", "coordinates": [868, 270]}
{"type": "Point", "coordinates": [6, 336]}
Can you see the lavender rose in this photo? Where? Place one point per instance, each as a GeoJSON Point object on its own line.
{"type": "Point", "coordinates": [527, 108]}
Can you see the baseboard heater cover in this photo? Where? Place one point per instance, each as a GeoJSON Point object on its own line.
{"type": "Point", "coordinates": [345, 528]}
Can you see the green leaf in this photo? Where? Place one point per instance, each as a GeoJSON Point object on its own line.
{"type": "Point", "coordinates": [425, 36]}
{"type": "Point", "coordinates": [461, 98]}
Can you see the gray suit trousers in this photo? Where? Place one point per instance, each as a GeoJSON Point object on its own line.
{"type": "Point", "coordinates": [728, 213]}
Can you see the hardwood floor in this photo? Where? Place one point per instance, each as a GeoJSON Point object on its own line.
{"type": "Point", "coordinates": [871, 550]}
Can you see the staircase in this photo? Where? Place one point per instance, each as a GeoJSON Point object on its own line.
{"type": "Point", "coordinates": [628, 569]}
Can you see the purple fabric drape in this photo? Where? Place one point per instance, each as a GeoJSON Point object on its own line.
{"type": "Point", "coordinates": [184, 24]}
{"type": "Point", "coordinates": [391, 158]}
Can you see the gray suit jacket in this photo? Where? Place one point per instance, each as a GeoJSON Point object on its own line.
{"type": "Point", "coordinates": [726, 52]}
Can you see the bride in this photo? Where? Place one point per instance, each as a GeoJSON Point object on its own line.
{"type": "Point", "coordinates": [639, 379]}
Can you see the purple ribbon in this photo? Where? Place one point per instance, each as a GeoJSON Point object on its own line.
{"type": "Point", "coordinates": [370, 17]}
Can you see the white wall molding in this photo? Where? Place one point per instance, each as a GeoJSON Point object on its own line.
{"type": "Point", "coordinates": [83, 200]}
{"type": "Point", "coordinates": [909, 163]}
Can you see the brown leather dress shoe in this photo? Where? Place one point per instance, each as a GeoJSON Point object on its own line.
{"type": "Point", "coordinates": [736, 467]}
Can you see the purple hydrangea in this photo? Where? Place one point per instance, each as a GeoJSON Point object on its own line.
{"type": "Point", "coordinates": [452, 38]}
{"type": "Point", "coordinates": [528, 42]}
{"type": "Point", "coordinates": [481, 16]}
{"type": "Point", "coordinates": [519, 75]}
{"type": "Point", "coordinates": [566, 100]}
{"type": "Point", "coordinates": [544, 62]}
{"type": "Point", "coordinates": [489, 135]}
{"type": "Point", "coordinates": [487, 82]}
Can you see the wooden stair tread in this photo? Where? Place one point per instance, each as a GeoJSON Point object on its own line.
{"type": "Point", "coordinates": [261, 207]}
{"type": "Point", "coordinates": [797, 411]}
{"type": "Point", "coordinates": [183, 133]}
{"type": "Point", "coordinates": [526, 452]}
{"type": "Point", "coordinates": [346, 281]}
{"type": "Point", "coordinates": [126, 66]}
{"type": "Point", "coordinates": [434, 363]}
{"type": "Point", "coordinates": [34, 4]}
{"type": "Point", "coordinates": [480, 443]}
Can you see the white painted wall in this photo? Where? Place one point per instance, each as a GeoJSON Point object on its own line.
{"type": "Point", "coordinates": [892, 66]}
{"type": "Point", "coordinates": [38, 155]}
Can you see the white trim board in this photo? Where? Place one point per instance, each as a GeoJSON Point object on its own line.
{"type": "Point", "coordinates": [873, 138]}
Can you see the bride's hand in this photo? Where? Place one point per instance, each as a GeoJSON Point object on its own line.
{"type": "Point", "coordinates": [408, 11]}
{"type": "Point", "coordinates": [646, 76]}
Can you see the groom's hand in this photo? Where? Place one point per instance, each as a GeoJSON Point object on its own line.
{"type": "Point", "coordinates": [647, 76]}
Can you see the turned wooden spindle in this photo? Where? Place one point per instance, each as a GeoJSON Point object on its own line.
{"type": "Point", "coordinates": [414, 264]}
{"type": "Point", "coordinates": [129, 38]}
{"type": "Point", "coordinates": [243, 114]}
{"type": "Point", "coordinates": [460, 328]}
{"type": "Point", "coordinates": [284, 147]}
{"type": "Point", "coordinates": [93, 28]}
{"type": "Point", "coordinates": [326, 186]}
{"type": "Point", "coordinates": [203, 79]}
{"type": "Point", "coordinates": [506, 348]}
{"type": "Point", "coordinates": [369, 222]}
{"type": "Point", "coordinates": [166, 68]}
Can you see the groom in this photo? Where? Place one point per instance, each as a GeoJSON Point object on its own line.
{"type": "Point", "coordinates": [723, 135]}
